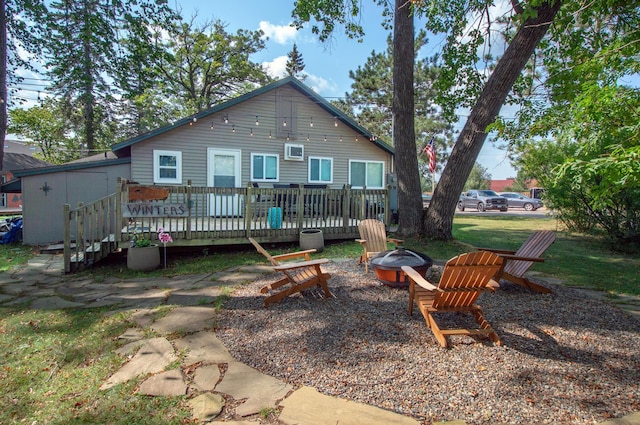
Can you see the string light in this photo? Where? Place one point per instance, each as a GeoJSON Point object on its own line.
{"type": "Point", "coordinates": [325, 137]}
{"type": "Point", "coordinates": [233, 128]}
{"type": "Point", "coordinates": [226, 119]}
{"type": "Point", "coordinates": [335, 121]}
{"type": "Point", "coordinates": [311, 122]}
{"type": "Point", "coordinates": [308, 138]}
{"type": "Point", "coordinates": [284, 124]}
{"type": "Point", "coordinates": [270, 134]}
{"type": "Point", "coordinates": [211, 125]}
{"type": "Point", "coordinates": [251, 133]}
{"type": "Point", "coordinates": [257, 121]}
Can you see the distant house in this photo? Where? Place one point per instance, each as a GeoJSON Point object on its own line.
{"type": "Point", "coordinates": [502, 185]}
{"type": "Point", "coordinates": [283, 133]}
{"type": "Point", "coordinates": [17, 156]}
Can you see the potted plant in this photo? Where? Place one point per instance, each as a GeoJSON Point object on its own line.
{"type": "Point", "coordinates": [142, 255]}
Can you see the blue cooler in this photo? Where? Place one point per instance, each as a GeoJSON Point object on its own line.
{"type": "Point", "coordinates": [274, 217]}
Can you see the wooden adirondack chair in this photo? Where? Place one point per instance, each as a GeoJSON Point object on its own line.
{"type": "Point", "coordinates": [373, 238]}
{"type": "Point", "coordinates": [518, 262]}
{"type": "Point", "coordinates": [298, 275]}
{"type": "Point", "coordinates": [463, 279]}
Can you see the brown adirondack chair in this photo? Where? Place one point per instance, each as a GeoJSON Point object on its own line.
{"type": "Point", "coordinates": [518, 262]}
{"type": "Point", "coordinates": [298, 275]}
{"type": "Point", "coordinates": [463, 279]}
{"type": "Point", "coordinates": [373, 238]}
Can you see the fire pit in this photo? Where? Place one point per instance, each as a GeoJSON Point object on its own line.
{"type": "Point", "coordinates": [387, 266]}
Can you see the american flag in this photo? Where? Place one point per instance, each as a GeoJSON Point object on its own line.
{"type": "Point", "coordinates": [430, 151]}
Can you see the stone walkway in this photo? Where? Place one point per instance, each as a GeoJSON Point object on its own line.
{"type": "Point", "coordinates": [206, 367]}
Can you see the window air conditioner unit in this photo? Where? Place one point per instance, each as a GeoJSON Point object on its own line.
{"type": "Point", "coordinates": [293, 152]}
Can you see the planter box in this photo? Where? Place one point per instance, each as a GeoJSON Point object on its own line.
{"type": "Point", "coordinates": [143, 259]}
{"type": "Point", "coordinates": [312, 239]}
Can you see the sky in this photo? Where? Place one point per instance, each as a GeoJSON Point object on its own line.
{"type": "Point", "coordinates": [327, 64]}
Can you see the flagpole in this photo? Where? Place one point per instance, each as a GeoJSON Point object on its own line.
{"type": "Point", "coordinates": [433, 182]}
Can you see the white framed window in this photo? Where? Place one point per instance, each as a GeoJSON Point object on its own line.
{"type": "Point", "coordinates": [264, 167]}
{"type": "Point", "coordinates": [320, 170]}
{"type": "Point", "coordinates": [366, 173]}
{"type": "Point", "coordinates": [167, 166]}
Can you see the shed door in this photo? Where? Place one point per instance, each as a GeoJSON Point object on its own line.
{"type": "Point", "coordinates": [223, 170]}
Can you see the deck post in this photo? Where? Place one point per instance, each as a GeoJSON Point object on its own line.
{"type": "Point", "coordinates": [300, 203]}
{"type": "Point", "coordinates": [189, 204]}
{"type": "Point", "coordinates": [117, 231]}
{"type": "Point", "coordinates": [346, 207]}
{"type": "Point", "coordinates": [247, 210]}
{"type": "Point", "coordinates": [80, 245]}
{"type": "Point", "coordinates": [67, 238]}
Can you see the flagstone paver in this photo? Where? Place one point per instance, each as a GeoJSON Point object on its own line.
{"type": "Point", "coordinates": [199, 296]}
{"type": "Point", "coordinates": [307, 406]}
{"type": "Point", "coordinates": [143, 317]}
{"type": "Point", "coordinates": [206, 377]}
{"type": "Point", "coordinates": [207, 406]}
{"type": "Point", "coordinates": [202, 347]}
{"type": "Point", "coordinates": [263, 392]}
{"type": "Point", "coordinates": [152, 357]}
{"type": "Point", "coordinates": [169, 384]}
{"type": "Point", "coordinates": [185, 319]}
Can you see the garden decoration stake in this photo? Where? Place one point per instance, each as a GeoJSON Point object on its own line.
{"type": "Point", "coordinates": [164, 238]}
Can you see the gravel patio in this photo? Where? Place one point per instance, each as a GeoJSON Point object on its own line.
{"type": "Point", "coordinates": [566, 357]}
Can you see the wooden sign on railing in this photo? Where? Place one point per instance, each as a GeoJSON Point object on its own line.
{"type": "Point", "coordinates": [154, 209]}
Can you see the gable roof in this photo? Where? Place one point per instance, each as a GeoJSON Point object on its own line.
{"type": "Point", "coordinates": [19, 161]}
{"type": "Point", "coordinates": [98, 160]}
{"type": "Point", "coordinates": [122, 148]}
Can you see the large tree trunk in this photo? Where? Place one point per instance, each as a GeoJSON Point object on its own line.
{"type": "Point", "coordinates": [3, 79]}
{"type": "Point", "coordinates": [406, 161]}
{"type": "Point", "coordinates": [438, 220]}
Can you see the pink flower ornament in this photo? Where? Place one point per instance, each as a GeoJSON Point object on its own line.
{"type": "Point", "coordinates": [164, 237]}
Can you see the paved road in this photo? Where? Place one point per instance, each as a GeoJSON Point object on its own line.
{"type": "Point", "coordinates": [539, 213]}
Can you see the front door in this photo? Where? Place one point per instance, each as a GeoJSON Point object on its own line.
{"type": "Point", "coordinates": [223, 170]}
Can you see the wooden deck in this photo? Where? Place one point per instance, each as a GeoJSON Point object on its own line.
{"type": "Point", "coordinates": [206, 216]}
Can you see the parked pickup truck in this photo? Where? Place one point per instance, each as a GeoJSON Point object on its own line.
{"type": "Point", "coordinates": [482, 200]}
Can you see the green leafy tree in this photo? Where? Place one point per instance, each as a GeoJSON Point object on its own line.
{"type": "Point", "coordinates": [460, 57]}
{"type": "Point", "coordinates": [18, 31]}
{"type": "Point", "coordinates": [295, 63]}
{"type": "Point", "coordinates": [145, 105]}
{"type": "Point", "coordinates": [479, 178]}
{"type": "Point", "coordinates": [44, 125]}
{"type": "Point", "coordinates": [81, 50]}
{"type": "Point", "coordinates": [579, 136]}
{"type": "Point", "coordinates": [371, 97]}
{"type": "Point", "coordinates": [204, 65]}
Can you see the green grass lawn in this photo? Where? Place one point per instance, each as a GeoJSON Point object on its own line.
{"type": "Point", "coordinates": [576, 259]}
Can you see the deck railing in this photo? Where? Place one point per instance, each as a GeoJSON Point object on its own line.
{"type": "Point", "coordinates": [204, 216]}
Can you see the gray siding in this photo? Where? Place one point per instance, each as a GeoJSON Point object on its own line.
{"type": "Point", "coordinates": [43, 211]}
{"type": "Point", "coordinates": [324, 139]}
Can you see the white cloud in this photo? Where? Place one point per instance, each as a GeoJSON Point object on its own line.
{"type": "Point", "coordinates": [319, 84]}
{"type": "Point", "coordinates": [281, 34]}
{"type": "Point", "coordinates": [277, 67]}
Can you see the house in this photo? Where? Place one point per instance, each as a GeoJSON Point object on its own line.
{"type": "Point", "coordinates": [17, 156]}
{"type": "Point", "coordinates": [502, 185]}
{"type": "Point", "coordinates": [281, 134]}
